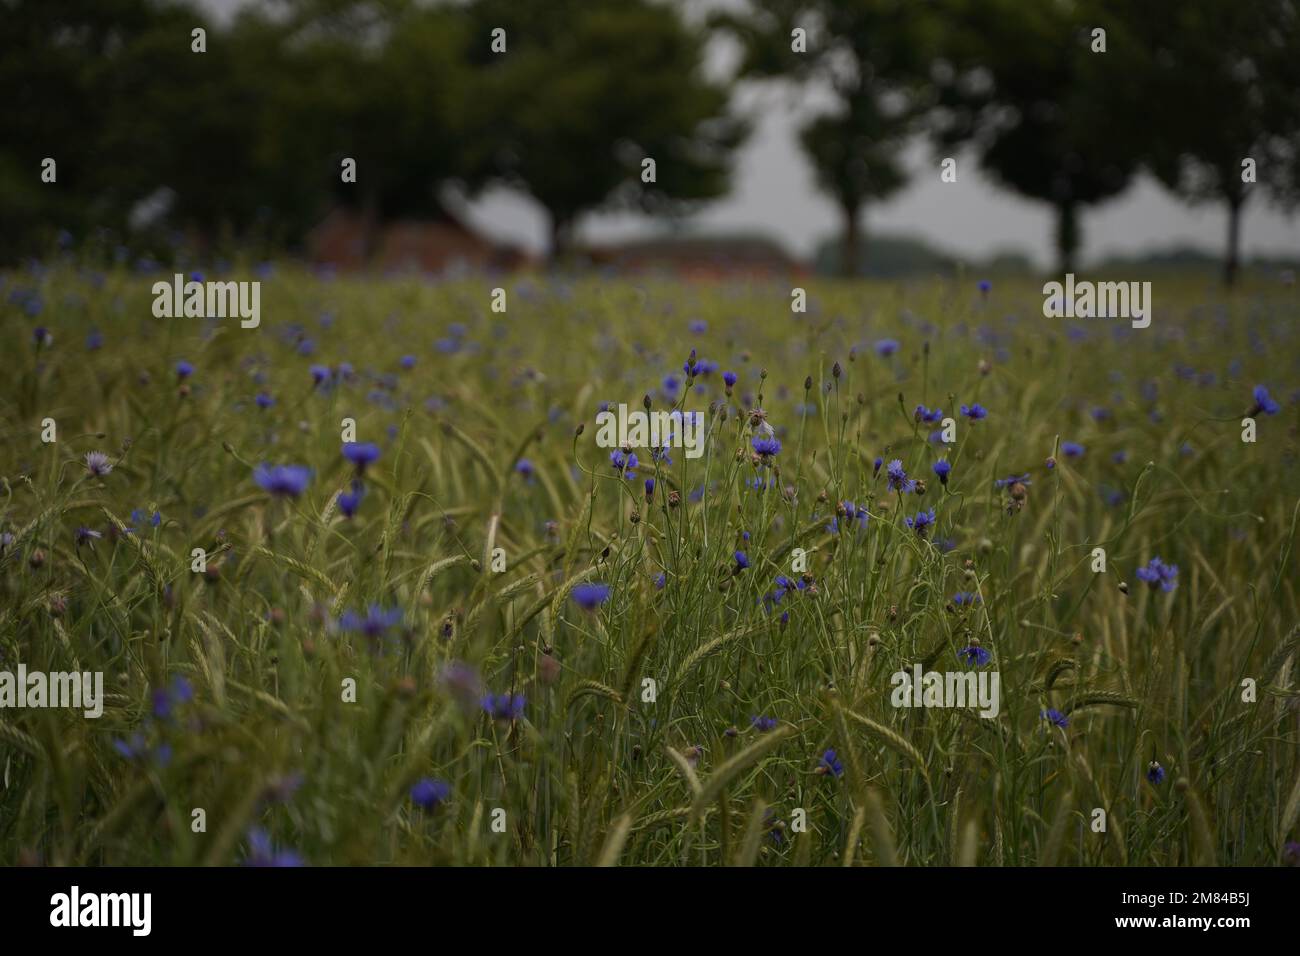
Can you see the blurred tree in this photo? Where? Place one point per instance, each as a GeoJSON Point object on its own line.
{"type": "Point", "coordinates": [1047, 116]}
{"type": "Point", "coordinates": [871, 55]}
{"type": "Point", "coordinates": [50, 55]}
{"type": "Point", "coordinates": [1226, 75]}
{"type": "Point", "coordinates": [585, 91]}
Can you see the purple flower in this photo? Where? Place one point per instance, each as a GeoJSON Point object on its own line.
{"type": "Point", "coordinates": [742, 561]}
{"type": "Point", "coordinates": [763, 724]}
{"type": "Point", "coordinates": [504, 706]}
{"type": "Point", "coordinates": [373, 623]}
{"type": "Point", "coordinates": [922, 523]}
{"type": "Point", "coordinates": [974, 412]}
{"type": "Point", "coordinates": [942, 469]}
{"type": "Point", "coordinates": [1157, 574]}
{"type": "Point", "coordinates": [261, 852]}
{"type": "Point", "coordinates": [1012, 480]}
{"type": "Point", "coordinates": [929, 416]}
{"type": "Point", "coordinates": [282, 481]}
{"type": "Point", "coordinates": [590, 596]}
{"type": "Point", "coordinates": [166, 698]}
{"type": "Point", "coordinates": [361, 454]}
{"type": "Point", "coordinates": [319, 374]}
{"type": "Point", "coordinates": [766, 446]}
{"type": "Point", "coordinates": [1155, 773]}
{"type": "Point", "coordinates": [965, 599]}
{"type": "Point", "coordinates": [97, 464]}
{"type": "Point", "coordinates": [1263, 403]}
{"type": "Point", "coordinates": [974, 655]}
{"type": "Point", "coordinates": [886, 347]}
{"type": "Point", "coordinates": [830, 764]}
{"type": "Point", "coordinates": [1072, 449]}
{"type": "Point", "coordinates": [350, 501]}
{"type": "Point", "coordinates": [183, 370]}
{"type": "Point", "coordinates": [525, 467]}
{"type": "Point", "coordinates": [428, 793]}
{"type": "Point", "coordinates": [264, 400]}
{"type": "Point", "coordinates": [1056, 718]}
{"type": "Point", "coordinates": [624, 463]}
{"type": "Point", "coordinates": [87, 536]}
{"type": "Point", "coordinates": [897, 475]}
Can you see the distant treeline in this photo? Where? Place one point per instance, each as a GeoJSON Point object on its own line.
{"type": "Point", "coordinates": [130, 123]}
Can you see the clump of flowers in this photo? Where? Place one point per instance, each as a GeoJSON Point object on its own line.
{"type": "Point", "coordinates": [1157, 574]}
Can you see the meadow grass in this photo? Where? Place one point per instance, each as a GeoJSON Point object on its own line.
{"type": "Point", "coordinates": [226, 689]}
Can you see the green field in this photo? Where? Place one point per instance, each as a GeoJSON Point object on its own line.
{"type": "Point", "coordinates": [229, 689]}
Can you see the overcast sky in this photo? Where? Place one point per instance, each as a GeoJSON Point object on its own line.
{"type": "Point", "coordinates": [773, 193]}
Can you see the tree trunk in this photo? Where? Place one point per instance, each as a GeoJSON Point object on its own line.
{"type": "Point", "coordinates": [559, 238]}
{"type": "Point", "coordinates": [1067, 236]}
{"type": "Point", "coordinates": [1231, 259]}
{"type": "Point", "coordinates": [850, 242]}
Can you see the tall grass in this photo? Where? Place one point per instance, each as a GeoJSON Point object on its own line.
{"type": "Point", "coordinates": [593, 772]}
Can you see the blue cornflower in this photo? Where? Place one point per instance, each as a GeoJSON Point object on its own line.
{"type": "Point", "coordinates": [319, 374]}
{"type": "Point", "coordinates": [261, 852]}
{"type": "Point", "coordinates": [525, 467]}
{"type": "Point", "coordinates": [373, 623]}
{"type": "Point", "coordinates": [1012, 480]}
{"type": "Point", "coordinates": [929, 416]}
{"type": "Point", "coordinates": [407, 361]}
{"type": "Point", "coordinates": [282, 481]}
{"type": "Point", "coordinates": [361, 454]}
{"type": "Point", "coordinates": [649, 489]}
{"type": "Point", "coordinates": [942, 469]}
{"type": "Point", "coordinates": [875, 466]}
{"type": "Point", "coordinates": [886, 347]}
{"type": "Point", "coordinates": [1071, 449]}
{"type": "Point", "coordinates": [974, 412]}
{"type": "Point", "coordinates": [897, 475]}
{"type": "Point", "coordinates": [95, 340]}
{"type": "Point", "coordinates": [698, 326]}
{"type": "Point", "coordinates": [97, 464]}
{"type": "Point", "coordinates": [504, 706]}
{"type": "Point", "coordinates": [1056, 718]}
{"type": "Point", "coordinates": [742, 561]}
{"type": "Point", "coordinates": [183, 370]}
{"type": "Point", "coordinates": [165, 699]}
{"type": "Point", "coordinates": [762, 724]}
{"type": "Point", "coordinates": [830, 764]}
{"type": "Point", "coordinates": [349, 502]}
{"type": "Point", "coordinates": [984, 286]}
{"type": "Point", "coordinates": [1263, 403]}
{"type": "Point", "coordinates": [1157, 574]}
{"type": "Point", "coordinates": [660, 580]}
{"type": "Point", "coordinates": [87, 536]}
{"type": "Point", "coordinates": [965, 599]}
{"type": "Point", "coordinates": [1155, 773]}
{"type": "Point", "coordinates": [766, 446]}
{"type": "Point", "coordinates": [264, 400]}
{"type": "Point", "coordinates": [427, 793]}
{"type": "Point", "coordinates": [974, 655]}
{"type": "Point", "coordinates": [729, 380]}
{"type": "Point", "coordinates": [624, 463]}
{"type": "Point", "coordinates": [922, 523]}
{"type": "Point", "coordinates": [590, 596]}
{"type": "Point", "coordinates": [138, 516]}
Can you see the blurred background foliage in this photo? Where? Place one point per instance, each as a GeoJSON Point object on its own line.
{"type": "Point", "coordinates": [241, 147]}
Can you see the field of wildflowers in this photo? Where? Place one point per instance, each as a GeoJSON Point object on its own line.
{"type": "Point", "coordinates": [364, 589]}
